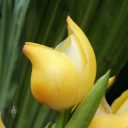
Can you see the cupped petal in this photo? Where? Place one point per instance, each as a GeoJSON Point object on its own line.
{"type": "Point", "coordinates": [81, 52]}
{"type": "Point", "coordinates": [55, 79]}
{"type": "Point", "coordinates": [120, 105]}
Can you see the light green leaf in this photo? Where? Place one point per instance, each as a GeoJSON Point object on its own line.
{"type": "Point", "coordinates": [87, 108]}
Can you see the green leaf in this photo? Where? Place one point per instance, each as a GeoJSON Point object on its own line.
{"type": "Point", "coordinates": [49, 125]}
{"type": "Point", "coordinates": [87, 108]}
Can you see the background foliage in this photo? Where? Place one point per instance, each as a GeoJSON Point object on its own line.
{"type": "Point", "coordinates": [105, 23]}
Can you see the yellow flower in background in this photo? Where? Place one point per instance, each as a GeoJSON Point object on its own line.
{"type": "Point", "coordinates": [120, 105]}
{"type": "Point", "coordinates": [114, 116]}
{"type": "Point", "coordinates": [1, 124]}
{"type": "Point", "coordinates": [61, 77]}
{"type": "Point", "coordinates": [109, 121]}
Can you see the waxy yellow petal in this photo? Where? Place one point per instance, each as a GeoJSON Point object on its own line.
{"type": "Point", "coordinates": [50, 82]}
{"type": "Point", "coordinates": [85, 59]}
{"type": "Point", "coordinates": [109, 121]}
{"type": "Point", "coordinates": [120, 105]}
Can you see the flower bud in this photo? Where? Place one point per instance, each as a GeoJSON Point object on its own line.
{"type": "Point", "coordinates": [111, 81]}
{"type": "Point", "coordinates": [62, 76]}
{"type": "Point", "coordinates": [55, 79]}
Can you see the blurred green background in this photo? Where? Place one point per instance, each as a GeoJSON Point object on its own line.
{"type": "Point", "coordinates": [105, 23]}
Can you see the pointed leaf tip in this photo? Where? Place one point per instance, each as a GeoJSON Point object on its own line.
{"type": "Point", "coordinates": [87, 108]}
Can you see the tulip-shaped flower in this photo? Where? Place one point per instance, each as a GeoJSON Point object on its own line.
{"type": "Point", "coordinates": [61, 77]}
{"type": "Point", "coordinates": [114, 116]}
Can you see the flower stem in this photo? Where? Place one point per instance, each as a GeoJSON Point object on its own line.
{"type": "Point", "coordinates": [62, 118]}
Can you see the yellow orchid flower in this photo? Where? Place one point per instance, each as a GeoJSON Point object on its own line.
{"type": "Point", "coordinates": [114, 116]}
{"type": "Point", "coordinates": [61, 77]}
